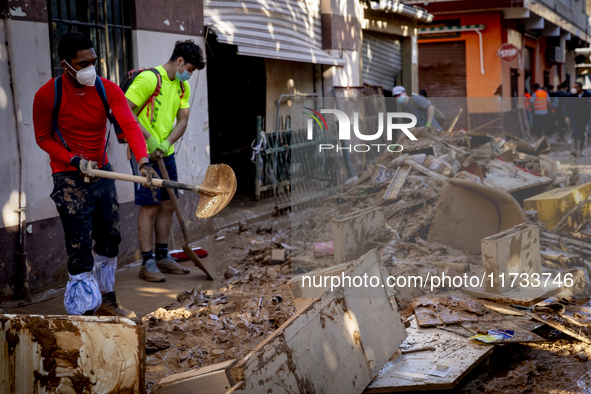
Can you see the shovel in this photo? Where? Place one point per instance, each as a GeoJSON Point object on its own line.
{"type": "Point", "coordinates": [215, 193]}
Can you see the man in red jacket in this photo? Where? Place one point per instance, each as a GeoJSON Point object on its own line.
{"type": "Point", "coordinates": [88, 211]}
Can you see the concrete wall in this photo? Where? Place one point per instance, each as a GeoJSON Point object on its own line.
{"type": "Point", "coordinates": [27, 51]}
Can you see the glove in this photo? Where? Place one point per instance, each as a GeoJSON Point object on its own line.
{"type": "Point", "coordinates": [152, 144]}
{"type": "Point", "coordinates": [82, 166]}
{"type": "Point", "coordinates": [161, 151]}
{"type": "Point", "coordinates": [164, 147]}
{"type": "Point", "coordinates": [428, 124]}
{"type": "Point", "coordinates": [147, 171]}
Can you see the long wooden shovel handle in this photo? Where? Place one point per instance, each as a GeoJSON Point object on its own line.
{"type": "Point", "coordinates": [155, 182]}
{"type": "Point", "coordinates": [175, 203]}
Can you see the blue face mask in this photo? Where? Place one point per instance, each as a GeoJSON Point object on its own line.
{"type": "Point", "coordinates": [185, 76]}
{"type": "Point", "coordinates": [400, 99]}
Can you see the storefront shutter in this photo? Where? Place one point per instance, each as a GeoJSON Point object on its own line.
{"type": "Point", "coordinates": [382, 60]}
{"type": "Point", "coordinates": [287, 30]}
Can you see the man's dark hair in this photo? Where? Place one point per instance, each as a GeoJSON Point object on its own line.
{"type": "Point", "coordinates": [550, 87]}
{"type": "Point", "coordinates": [536, 86]}
{"type": "Point", "coordinates": [71, 43]}
{"type": "Point", "coordinates": [580, 85]}
{"type": "Point", "coordinates": [563, 85]}
{"type": "Point", "coordinates": [423, 93]}
{"type": "Point", "coordinates": [190, 52]}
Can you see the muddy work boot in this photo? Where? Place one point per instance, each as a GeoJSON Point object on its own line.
{"type": "Point", "coordinates": [151, 273]}
{"type": "Point", "coordinates": [170, 266]}
{"type": "Point", "coordinates": [112, 307]}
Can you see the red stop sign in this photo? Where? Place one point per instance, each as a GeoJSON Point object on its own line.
{"type": "Point", "coordinates": [508, 52]}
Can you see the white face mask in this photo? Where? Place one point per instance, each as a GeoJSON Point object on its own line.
{"type": "Point", "coordinates": [86, 76]}
{"type": "Point", "coordinates": [573, 91]}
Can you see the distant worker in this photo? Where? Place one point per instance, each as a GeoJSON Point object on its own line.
{"type": "Point", "coordinates": [558, 105]}
{"type": "Point", "coordinates": [74, 138]}
{"type": "Point", "coordinates": [417, 105]}
{"type": "Point", "coordinates": [162, 124]}
{"type": "Point", "coordinates": [541, 103]}
{"type": "Point", "coordinates": [577, 115]}
{"type": "Point", "coordinates": [423, 93]}
{"type": "Point", "coordinates": [528, 108]}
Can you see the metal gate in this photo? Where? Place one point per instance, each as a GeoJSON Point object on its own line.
{"type": "Point", "coordinates": [290, 168]}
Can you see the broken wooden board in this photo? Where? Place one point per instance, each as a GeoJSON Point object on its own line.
{"type": "Point", "coordinates": [517, 296]}
{"type": "Point", "coordinates": [510, 252]}
{"type": "Point", "coordinates": [67, 354]}
{"type": "Point", "coordinates": [518, 182]}
{"type": "Point", "coordinates": [425, 170]}
{"type": "Point", "coordinates": [211, 379]}
{"type": "Point", "coordinates": [337, 344]}
{"type": "Point", "coordinates": [569, 326]}
{"type": "Point", "coordinates": [408, 372]}
{"type": "Point", "coordinates": [352, 233]}
{"type": "Point", "coordinates": [554, 204]}
{"type": "Point", "coordinates": [397, 183]}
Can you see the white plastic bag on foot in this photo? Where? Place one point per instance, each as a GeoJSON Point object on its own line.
{"type": "Point", "coordinates": [82, 294]}
{"type": "Point", "coordinates": [104, 272]}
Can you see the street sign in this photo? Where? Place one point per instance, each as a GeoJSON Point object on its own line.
{"type": "Point", "coordinates": [508, 52]}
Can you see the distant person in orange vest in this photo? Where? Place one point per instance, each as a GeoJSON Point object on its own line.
{"type": "Point", "coordinates": [541, 103]}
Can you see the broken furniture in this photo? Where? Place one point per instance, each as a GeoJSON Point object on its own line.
{"type": "Point", "coordinates": [467, 212]}
{"type": "Point", "coordinates": [409, 372]}
{"type": "Point", "coordinates": [511, 252]}
{"type": "Point", "coordinates": [352, 233]}
{"type": "Point", "coordinates": [554, 204]}
{"type": "Point", "coordinates": [517, 181]}
{"type": "Point", "coordinates": [71, 354]}
{"type": "Point", "coordinates": [336, 344]}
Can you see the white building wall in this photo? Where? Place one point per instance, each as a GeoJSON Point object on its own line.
{"type": "Point", "coordinates": [8, 148]}
{"type": "Point", "coordinates": [31, 67]}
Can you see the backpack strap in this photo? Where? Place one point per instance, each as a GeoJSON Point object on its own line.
{"type": "Point", "coordinates": [56, 109]}
{"type": "Point", "coordinates": [182, 89]}
{"type": "Point", "coordinates": [151, 100]}
{"type": "Point", "coordinates": [100, 88]}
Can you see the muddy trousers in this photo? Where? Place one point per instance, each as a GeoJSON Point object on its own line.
{"type": "Point", "coordinates": [88, 211]}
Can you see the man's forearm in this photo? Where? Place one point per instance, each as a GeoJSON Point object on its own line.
{"type": "Point", "coordinates": [177, 132]}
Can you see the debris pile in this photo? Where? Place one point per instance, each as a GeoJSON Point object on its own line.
{"type": "Point", "coordinates": [417, 194]}
{"type": "Point", "coordinates": [209, 326]}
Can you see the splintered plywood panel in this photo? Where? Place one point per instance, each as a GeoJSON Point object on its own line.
{"type": "Point", "coordinates": [336, 344]}
{"type": "Point", "coordinates": [514, 251]}
{"type": "Point", "coordinates": [67, 354]}
{"type": "Point", "coordinates": [511, 178]}
{"type": "Point", "coordinates": [408, 372]}
{"type": "Point", "coordinates": [352, 233]}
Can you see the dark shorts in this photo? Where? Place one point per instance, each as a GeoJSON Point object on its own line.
{"type": "Point", "coordinates": [88, 211]}
{"type": "Point", "coordinates": [145, 196]}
